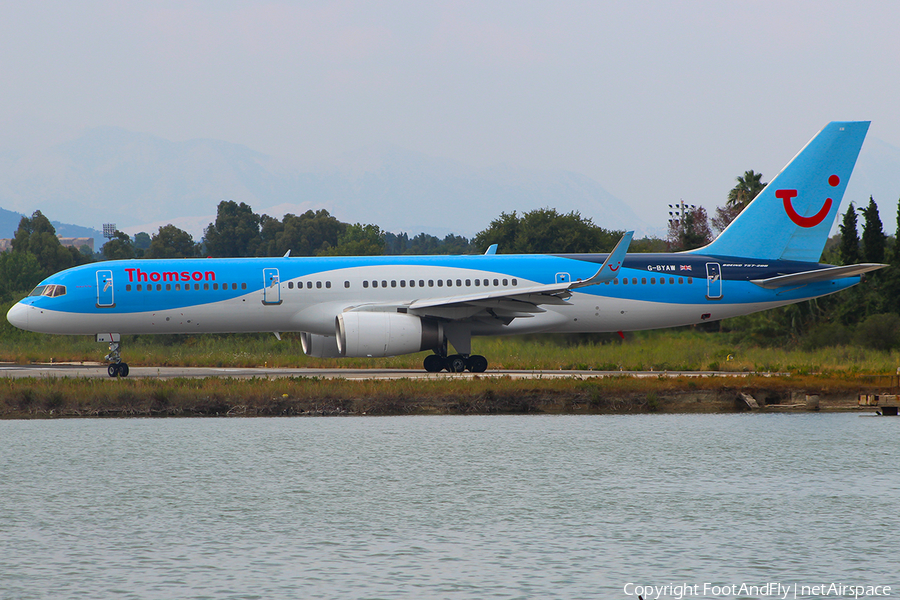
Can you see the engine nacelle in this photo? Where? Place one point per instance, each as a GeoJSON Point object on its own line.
{"type": "Point", "coordinates": [361, 334]}
{"type": "Point", "coordinates": [319, 346]}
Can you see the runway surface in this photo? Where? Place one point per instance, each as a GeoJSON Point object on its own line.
{"type": "Point", "coordinates": [99, 370]}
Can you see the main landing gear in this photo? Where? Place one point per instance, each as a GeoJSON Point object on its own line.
{"type": "Point", "coordinates": [117, 368]}
{"type": "Point", "coordinates": [456, 363]}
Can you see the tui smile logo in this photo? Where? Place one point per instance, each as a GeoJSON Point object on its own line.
{"type": "Point", "coordinates": [786, 195]}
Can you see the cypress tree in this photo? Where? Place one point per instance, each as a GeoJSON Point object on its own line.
{"type": "Point", "coordinates": [849, 238]}
{"type": "Point", "coordinates": [873, 239]}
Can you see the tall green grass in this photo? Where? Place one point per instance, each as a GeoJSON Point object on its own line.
{"type": "Point", "coordinates": [646, 351]}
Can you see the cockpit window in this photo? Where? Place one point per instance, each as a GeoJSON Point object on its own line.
{"type": "Point", "coordinates": [51, 290]}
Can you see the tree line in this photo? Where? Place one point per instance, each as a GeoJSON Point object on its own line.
{"type": "Point", "coordinates": [868, 314]}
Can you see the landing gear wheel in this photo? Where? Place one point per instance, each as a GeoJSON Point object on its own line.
{"type": "Point", "coordinates": [456, 363]}
{"type": "Point", "coordinates": [476, 363]}
{"type": "Point", "coordinates": [433, 363]}
{"type": "Point", "coordinates": [117, 370]}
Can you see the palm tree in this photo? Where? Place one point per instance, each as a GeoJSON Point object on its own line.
{"type": "Point", "coordinates": [748, 187]}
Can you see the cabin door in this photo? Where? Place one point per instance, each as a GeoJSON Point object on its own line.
{"type": "Point", "coordinates": [713, 281]}
{"type": "Point", "coordinates": [271, 286]}
{"type": "Point", "coordinates": [105, 297]}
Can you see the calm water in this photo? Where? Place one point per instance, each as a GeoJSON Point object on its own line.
{"type": "Point", "coordinates": [445, 507]}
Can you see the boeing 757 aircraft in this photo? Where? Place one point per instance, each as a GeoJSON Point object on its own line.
{"type": "Point", "coordinates": [361, 306]}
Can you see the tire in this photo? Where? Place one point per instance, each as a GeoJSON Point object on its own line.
{"type": "Point", "coordinates": [113, 370]}
{"type": "Point", "coordinates": [123, 370]}
{"type": "Point", "coordinates": [477, 364]}
{"type": "Point", "coordinates": [433, 363]}
{"type": "Point", "coordinates": [456, 363]}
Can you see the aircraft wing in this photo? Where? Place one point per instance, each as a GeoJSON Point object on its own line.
{"type": "Point", "coordinates": [817, 275]}
{"type": "Point", "coordinates": [509, 304]}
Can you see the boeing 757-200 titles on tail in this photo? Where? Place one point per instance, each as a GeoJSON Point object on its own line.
{"type": "Point", "coordinates": [390, 305]}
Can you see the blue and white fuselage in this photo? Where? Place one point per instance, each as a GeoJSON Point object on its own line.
{"type": "Point", "coordinates": [306, 294]}
{"type": "Point", "coordinates": [389, 305]}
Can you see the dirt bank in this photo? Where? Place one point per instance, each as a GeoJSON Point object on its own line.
{"type": "Point", "coordinates": [53, 398]}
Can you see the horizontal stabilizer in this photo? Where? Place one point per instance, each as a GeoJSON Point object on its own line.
{"type": "Point", "coordinates": [817, 275]}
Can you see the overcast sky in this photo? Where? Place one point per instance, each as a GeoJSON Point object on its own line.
{"type": "Point", "coordinates": [656, 101]}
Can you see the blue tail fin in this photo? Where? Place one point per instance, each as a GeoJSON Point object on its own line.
{"type": "Point", "coordinates": [792, 217]}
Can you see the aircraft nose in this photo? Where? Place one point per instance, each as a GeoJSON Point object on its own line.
{"type": "Point", "coordinates": [18, 315]}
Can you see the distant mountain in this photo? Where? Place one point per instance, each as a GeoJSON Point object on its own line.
{"type": "Point", "coordinates": [140, 182]}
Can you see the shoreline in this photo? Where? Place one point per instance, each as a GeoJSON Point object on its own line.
{"type": "Point", "coordinates": [51, 398]}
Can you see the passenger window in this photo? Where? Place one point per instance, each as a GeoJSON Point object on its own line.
{"type": "Point", "coordinates": [662, 281]}
{"type": "Point", "coordinates": [516, 282]}
{"type": "Point", "coordinates": [505, 282]}
{"type": "Point", "coordinates": [624, 281]}
{"type": "Point", "coordinates": [178, 287]}
{"type": "Point", "coordinates": [244, 286]}
{"type": "Point", "coordinates": [449, 283]}
{"type": "Point", "coordinates": [468, 282]}
{"type": "Point", "coordinates": [671, 280]}
{"type": "Point", "coordinates": [383, 283]}
{"type": "Point", "coordinates": [634, 280]}
{"type": "Point", "coordinates": [365, 283]}
{"type": "Point", "coordinates": [402, 283]}
{"type": "Point", "coordinates": [440, 283]}
{"type": "Point", "coordinates": [319, 284]}
{"type": "Point", "coordinates": [496, 282]}
{"type": "Point", "coordinates": [412, 283]}
{"type": "Point", "coordinates": [422, 283]}
{"type": "Point", "coordinates": [616, 281]}
{"type": "Point", "coordinates": [290, 285]}
{"type": "Point", "coordinates": [431, 283]}
{"type": "Point", "coordinates": [128, 287]}
{"type": "Point", "coordinates": [234, 286]}
{"type": "Point", "coordinates": [680, 280]}
{"type": "Point", "coordinates": [346, 284]}
{"type": "Point", "coordinates": [643, 281]}
{"type": "Point", "coordinates": [375, 283]}
{"type": "Point", "coordinates": [458, 283]}
{"type": "Point", "coordinates": [690, 280]}
{"type": "Point", "coordinates": [328, 285]}
{"type": "Point", "coordinates": [393, 283]}
{"type": "Point", "coordinates": [477, 282]}
{"type": "Point", "coordinates": [486, 282]}
{"type": "Point", "coordinates": [159, 287]}
{"type": "Point", "coordinates": [653, 280]}
{"type": "Point", "coordinates": [168, 287]}
{"type": "Point", "coordinates": [205, 286]}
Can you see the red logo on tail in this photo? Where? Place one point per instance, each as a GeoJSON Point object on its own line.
{"type": "Point", "coordinates": [786, 195]}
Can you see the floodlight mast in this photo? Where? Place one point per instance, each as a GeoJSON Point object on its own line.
{"type": "Point", "coordinates": [109, 230]}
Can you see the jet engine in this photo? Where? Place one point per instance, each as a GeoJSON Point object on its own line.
{"type": "Point", "coordinates": [319, 346]}
{"type": "Point", "coordinates": [362, 334]}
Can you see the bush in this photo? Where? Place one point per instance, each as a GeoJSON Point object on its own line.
{"type": "Point", "coordinates": [879, 332]}
{"type": "Point", "coordinates": [826, 335]}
